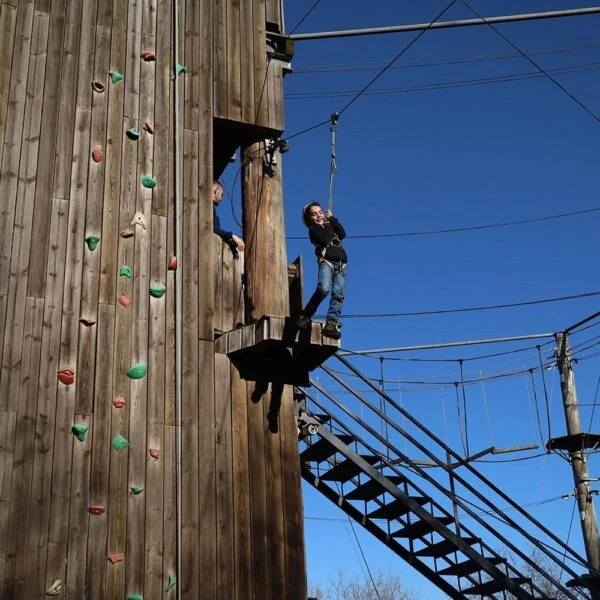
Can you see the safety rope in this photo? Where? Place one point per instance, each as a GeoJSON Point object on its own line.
{"type": "Point", "coordinates": [332, 164]}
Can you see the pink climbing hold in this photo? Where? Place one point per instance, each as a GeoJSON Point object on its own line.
{"type": "Point", "coordinates": [66, 376]}
{"type": "Point", "coordinates": [124, 301]}
{"type": "Point", "coordinates": [97, 155]}
{"type": "Point", "coordinates": [119, 402]}
{"type": "Point", "coordinates": [127, 233]}
{"type": "Point", "coordinates": [154, 453]}
{"type": "Point", "coordinates": [116, 558]}
{"type": "Point", "coordinates": [87, 322]}
{"type": "Point", "coordinates": [172, 266]}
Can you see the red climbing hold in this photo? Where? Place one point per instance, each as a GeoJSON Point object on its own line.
{"type": "Point", "coordinates": [96, 509]}
{"type": "Point", "coordinates": [87, 322]}
{"type": "Point", "coordinates": [148, 56]}
{"type": "Point", "coordinates": [97, 153]}
{"type": "Point", "coordinates": [124, 301]}
{"type": "Point", "coordinates": [127, 233]}
{"type": "Point", "coordinates": [147, 127]}
{"type": "Point", "coordinates": [172, 263]}
{"type": "Point", "coordinates": [66, 376]}
{"type": "Point", "coordinates": [154, 453]}
{"type": "Point", "coordinates": [115, 558]}
{"type": "Point", "coordinates": [119, 402]}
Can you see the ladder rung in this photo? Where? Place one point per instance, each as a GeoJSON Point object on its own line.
{"type": "Point", "coordinates": [420, 528]}
{"type": "Point", "coordinates": [372, 488]}
{"type": "Point", "coordinates": [323, 449]}
{"type": "Point", "coordinates": [443, 548]}
{"type": "Point", "coordinates": [469, 566]}
{"type": "Point", "coordinates": [347, 469]}
{"type": "Point", "coordinates": [395, 509]}
{"type": "Point", "coordinates": [492, 586]}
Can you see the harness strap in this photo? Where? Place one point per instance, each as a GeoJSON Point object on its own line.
{"type": "Point", "coordinates": [332, 164]}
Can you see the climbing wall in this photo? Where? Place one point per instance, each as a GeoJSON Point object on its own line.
{"type": "Point", "coordinates": [89, 153]}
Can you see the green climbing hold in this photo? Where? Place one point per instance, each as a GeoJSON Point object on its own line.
{"type": "Point", "coordinates": [148, 181]}
{"type": "Point", "coordinates": [135, 597]}
{"type": "Point", "coordinates": [119, 443]}
{"type": "Point", "coordinates": [115, 76]}
{"type": "Point", "coordinates": [137, 371]}
{"type": "Point", "coordinates": [178, 71]}
{"type": "Point", "coordinates": [125, 271]}
{"type": "Point", "coordinates": [132, 134]}
{"type": "Point", "coordinates": [79, 429]}
{"type": "Point", "coordinates": [158, 290]}
{"type": "Point", "coordinates": [92, 242]}
{"type": "Point", "coordinates": [136, 489]}
{"type": "Point", "coordinates": [171, 583]}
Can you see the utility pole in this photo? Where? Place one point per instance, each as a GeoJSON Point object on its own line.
{"type": "Point", "coordinates": [576, 446]}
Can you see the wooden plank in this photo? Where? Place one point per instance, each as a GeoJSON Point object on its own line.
{"type": "Point", "coordinates": [261, 101]}
{"type": "Point", "coordinates": [228, 289]}
{"type": "Point", "coordinates": [169, 503]}
{"type": "Point", "coordinates": [198, 75]}
{"type": "Point", "coordinates": [206, 536]}
{"type": "Point", "coordinates": [242, 565]}
{"type": "Point", "coordinates": [275, 87]}
{"type": "Point", "coordinates": [234, 60]}
{"type": "Point", "coordinates": [221, 56]}
{"type": "Point", "coordinates": [273, 13]}
{"type": "Point", "coordinates": [293, 515]}
{"type": "Point", "coordinates": [218, 268]}
{"type": "Point", "coordinates": [14, 547]}
{"type": "Point", "coordinates": [8, 25]}
{"type": "Point", "coordinates": [238, 291]}
{"type": "Point", "coordinates": [23, 218]}
{"type": "Point", "coordinates": [79, 518]}
{"type": "Point", "coordinates": [43, 455]}
{"type": "Point", "coordinates": [112, 220]}
{"type": "Point", "coordinates": [7, 445]}
{"type": "Point", "coordinates": [63, 152]}
{"type": "Point", "coordinates": [42, 212]}
{"type": "Point", "coordinates": [260, 562]}
{"type": "Point", "coordinates": [87, 53]}
{"type": "Point", "coordinates": [99, 478]}
{"type": "Point", "coordinates": [247, 51]}
{"type": "Point", "coordinates": [13, 137]}
{"type": "Point", "coordinates": [132, 65]}
{"type": "Point", "coordinates": [225, 514]}
{"type": "Point", "coordinates": [3, 302]}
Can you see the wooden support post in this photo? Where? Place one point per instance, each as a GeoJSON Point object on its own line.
{"type": "Point", "coordinates": [585, 501]}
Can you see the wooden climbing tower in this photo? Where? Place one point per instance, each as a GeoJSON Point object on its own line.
{"type": "Point", "coordinates": [135, 461]}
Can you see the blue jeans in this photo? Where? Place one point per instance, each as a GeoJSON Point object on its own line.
{"type": "Point", "coordinates": [330, 280]}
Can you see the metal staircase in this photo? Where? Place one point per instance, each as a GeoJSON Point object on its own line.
{"type": "Point", "coordinates": [440, 515]}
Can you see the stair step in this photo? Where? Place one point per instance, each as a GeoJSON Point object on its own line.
{"type": "Point", "coordinates": [492, 586]}
{"type": "Point", "coordinates": [420, 528]}
{"type": "Point", "coordinates": [323, 449]}
{"type": "Point", "coordinates": [443, 548]}
{"type": "Point", "coordinates": [372, 488]}
{"type": "Point", "coordinates": [395, 509]}
{"type": "Point", "coordinates": [347, 469]}
{"type": "Point", "coordinates": [469, 566]}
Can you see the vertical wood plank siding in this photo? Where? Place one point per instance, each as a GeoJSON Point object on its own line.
{"type": "Point", "coordinates": [99, 519]}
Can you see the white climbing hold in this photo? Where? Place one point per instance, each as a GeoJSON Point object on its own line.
{"type": "Point", "coordinates": [54, 589]}
{"type": "Point", "coordinates": [139, 219]}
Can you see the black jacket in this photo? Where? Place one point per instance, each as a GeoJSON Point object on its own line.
{"type": "Point", "coordinates": [328, 236]}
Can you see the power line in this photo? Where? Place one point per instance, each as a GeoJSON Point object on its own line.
{"type": "Point", "coordinates": [427, 87]}
{"type": "Point", "coordinates": [471, 309]}
{"type": "Point", "coordinates": [536, 65]}
{"type": "Point", "coordinates": [465, 228]}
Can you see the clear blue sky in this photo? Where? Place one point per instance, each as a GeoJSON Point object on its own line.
{"type": "Point", "coordinates": [457, 155]}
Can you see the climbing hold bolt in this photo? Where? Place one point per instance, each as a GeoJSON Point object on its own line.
{"type": "Point", "coordinates": [147, 127]}
{"type": "Point", "coordinates": [55, 588]}
{"type": "Point", "coordinates": [92, 242]}
{"type": "Point", "coordinates": [137, 371]}
{"type": "Point", "coordinates": [98, 86]}
{"type": "Point", "coordinates": [136, 489]}
{"type": "Point", "coordinates": [148, 181]}
{"type": "Point", "coordinates": [96, 509]}
{"type": "Point", "coordinates": [116, 558]}
{"type": "Point", "coordinates": [97, 153]}
{"type": "Point", "coordinates": [171, 583]}
{"type": "Point", "coordinates": [119, 443]}
{"type": "Point", "coordinates": [79, 429]}
{"type": "Point", "coordinates": [148, 56]}
{"type": "Point", "coordinates": [139, 219]}
{"type": "Point", "coordinates": [158, 290]}
{"type": "Point", "coordinates": [172, 263]}
{"type": "Point", "coordinates": [66, 376]}
{"type": "Point", "coordinates": [127, 233]}
{"type": "Point", "coordinates": [124, 301]}
{"type": "Point", "coordinates": [132, 134]}
{"type": "Point", "coordinates": [115, 76]}
{"type": "Point", "coordinates": [125, 271]}
{"type": "Point", "coordinates": [154, 453]}
{"type": "Point", "coordinates": [87, 322]}
{"type": "Point", "coordinates": [119, 402]}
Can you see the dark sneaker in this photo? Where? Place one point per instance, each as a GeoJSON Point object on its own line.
{"type": "Point", "coordinates": [302, 322]}
{"type": "Point", "coordinates": [331, 330]}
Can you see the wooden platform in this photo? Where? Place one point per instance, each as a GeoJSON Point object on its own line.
{"type": "Point", "coordinates": [274, 350]}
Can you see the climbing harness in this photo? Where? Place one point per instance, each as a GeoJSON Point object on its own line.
{"type": "Point", "coordinates": [332, 164]}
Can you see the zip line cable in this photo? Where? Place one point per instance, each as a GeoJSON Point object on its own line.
{"type": "Point", "coordinates": [472, 308]}
{"type": "Point", "coordinates": [374, 79]}
{"type": "Point", "coordinates": [535, 64]}
{"type": "Point", "coordinates": [306, 15]}
{"type": "Point", "coordinates": [466, 228]}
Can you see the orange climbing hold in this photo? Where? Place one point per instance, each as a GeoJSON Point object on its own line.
{"type": "Point", "coordinates": [124, 301]}
{"type": "Point", "coordinates": [116, 558]}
